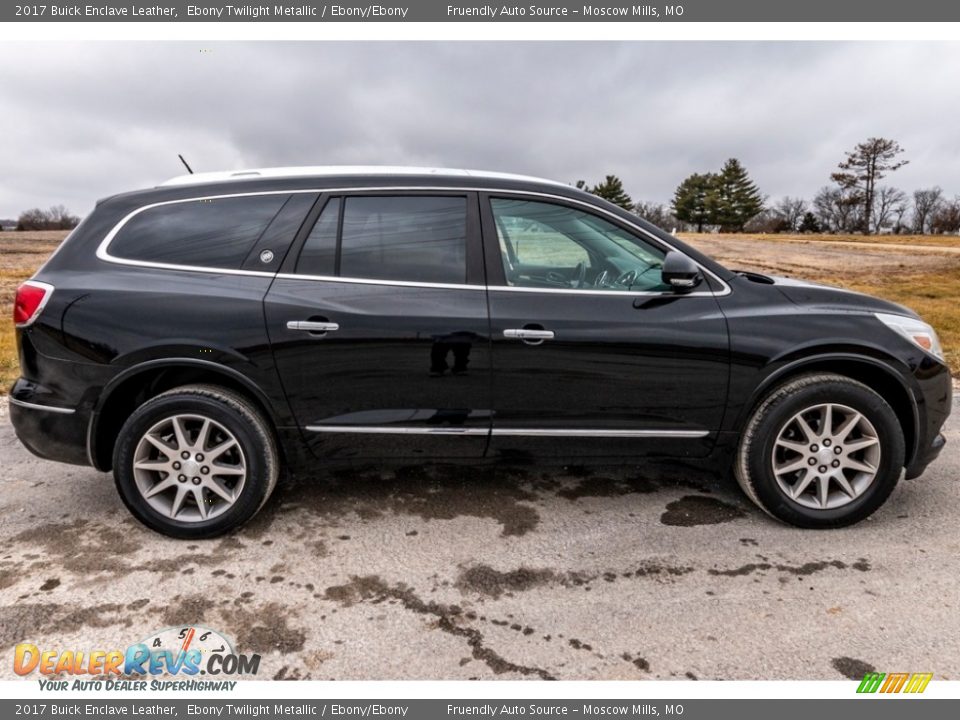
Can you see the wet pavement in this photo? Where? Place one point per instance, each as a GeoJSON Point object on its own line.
{"type": "Point", "coordinates": [584, 572]}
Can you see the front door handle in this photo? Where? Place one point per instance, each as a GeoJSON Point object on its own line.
{"type": "Point", "coordinates": [312, 326]}
{"type": "Point", "coordinates": [529, 335]}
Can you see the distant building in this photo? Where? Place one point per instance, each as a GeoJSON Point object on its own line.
{"type": "Point", "coordinates": [6, 224]}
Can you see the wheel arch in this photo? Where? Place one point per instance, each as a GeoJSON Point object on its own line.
{"type": "Point", "coordinates": [876, 374]}
{"type": "Point", "coordinates": [137, 384]}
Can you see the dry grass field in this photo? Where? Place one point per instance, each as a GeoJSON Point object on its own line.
{"type": "Point", "coordinates": [21, 253]}
{"type": "Point", "coordinates": [920, 271]}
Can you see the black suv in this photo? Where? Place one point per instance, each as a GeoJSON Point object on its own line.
{"type": "Point", "coordinates": [197, 337]}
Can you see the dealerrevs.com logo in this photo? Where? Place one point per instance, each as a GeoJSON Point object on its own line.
{"type": "Point", "coordinates": [894, 682]}
{"type": "Point", "coordinates": [179, 651]}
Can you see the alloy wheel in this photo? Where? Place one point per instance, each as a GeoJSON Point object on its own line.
{"type": "Point", "coordinates": [826, 456]}
{"type": "Point", "coordinates": [189, 468]}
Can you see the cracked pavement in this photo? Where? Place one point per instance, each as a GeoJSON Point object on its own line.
{"type": "Point", "coordinates": [456, 573]}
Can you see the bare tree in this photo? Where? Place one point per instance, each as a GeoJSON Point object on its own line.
{"type": "Point", "coordinates": [32, 219]}
{"type": "Point", "coordinates": [925, 205]}
{"type": "Point", "coordinates": [56, 218]}
{"type": "Point", "coordinates": [947, 217]}
{"type": "Point", "coordinates": [837, 210]}
{"type": "Point", "coordinates": [867, 164]}
{"type": "Point", "coordinates": [767, 221]}
{"type": "Point", "coordinates": [656, 213]}
{"type": "Point", "coordinates": [790, 211]}
{"type": "Point", "coordinates": [61, 219]}
{"type": "Point", "coordinates": [889, 202]}
{"type": "Point", "coordinates": [899, 213]}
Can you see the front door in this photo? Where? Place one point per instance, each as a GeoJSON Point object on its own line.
{"type": "Point", "coordinates": [380, 330]}
{"type": "Point", "coordinates": [592, 354]}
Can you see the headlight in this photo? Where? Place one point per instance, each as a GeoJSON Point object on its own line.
{"type": "Point", "coordinates": [916, 331]}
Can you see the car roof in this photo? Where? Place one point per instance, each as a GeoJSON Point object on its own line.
{"type": "Point", "coordinates": [329, 171]}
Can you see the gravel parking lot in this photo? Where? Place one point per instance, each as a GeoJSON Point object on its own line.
{"type": "Point", "coordinates": [452, 573]}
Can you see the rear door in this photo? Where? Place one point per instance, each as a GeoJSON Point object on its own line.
{"type": "Point", "coordinates": [380, 330]}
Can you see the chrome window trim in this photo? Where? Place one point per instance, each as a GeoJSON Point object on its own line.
{"type": "Point", "coordinates": [104, 254]}
{"type": "Point", "coordinates": [508, 432]}
{"type": "Point", "coordinates": [36, 406]}
{"type": "Point", "coordinates": [370, 281]}
{"type": "Point", "coordinates": [48, 291]}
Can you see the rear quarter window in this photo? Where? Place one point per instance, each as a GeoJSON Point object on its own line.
{"type": "Point", "coordinates": [210, 232]}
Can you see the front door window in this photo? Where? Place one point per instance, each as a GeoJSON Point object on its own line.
{"type": "Point", "coordinates": [543, 245]}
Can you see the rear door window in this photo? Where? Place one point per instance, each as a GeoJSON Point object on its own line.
{"type": "Point", "coordinates": [319, 254]}
{"type": "Point", "coordinates": [408, 238]}
{"type": "Point", "coordinates": [210, 232]}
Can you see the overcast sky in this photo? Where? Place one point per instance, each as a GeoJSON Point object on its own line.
{"type": "Point", "coordinates": [82, 121]}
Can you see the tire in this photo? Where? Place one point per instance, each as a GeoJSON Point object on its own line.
{"type": "Point", "coordinates": [777, 439]}
{"type": "Point", "coordinates": [199, 496]}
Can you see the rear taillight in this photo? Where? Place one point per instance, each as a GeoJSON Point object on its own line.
{"type": "Point", "coordinates": [30, 300]}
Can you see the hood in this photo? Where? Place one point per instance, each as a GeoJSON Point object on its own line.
{"type": "Point", "coordinates": [827, 297]}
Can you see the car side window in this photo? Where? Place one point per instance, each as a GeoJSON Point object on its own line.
{"type": "Point", "coordinates": [319, 253]}
{"type": "Point", "coordinates": [409, 238]}
{"type": "Point", "coordinates": [545, 245]}
{"type": "Point", "coordinates": [209, 232]}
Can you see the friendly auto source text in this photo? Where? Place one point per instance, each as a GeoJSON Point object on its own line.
{"type": "Point", "coordinates": [546, 11]}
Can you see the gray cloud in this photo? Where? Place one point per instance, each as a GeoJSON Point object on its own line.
{"type": "Point", "coordinates": [81, 121]}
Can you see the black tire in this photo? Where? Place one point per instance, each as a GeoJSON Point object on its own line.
{"type": "Point", "coordinates": [754, 463]}
{"type": "Point", "coordinates": [234, 413]}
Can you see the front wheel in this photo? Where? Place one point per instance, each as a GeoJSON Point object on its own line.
{"type": "Point", "coordinates": [821, 451]}
{"type": "Point", "coordinates": [195, 462]}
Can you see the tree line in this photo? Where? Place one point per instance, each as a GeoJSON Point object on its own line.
{"type": "Point", "coordinates": [55, 218]}
{"type": "Point", "coordinates": [856, 202]}
{"type": "Point", "coordinates": [729, 201]}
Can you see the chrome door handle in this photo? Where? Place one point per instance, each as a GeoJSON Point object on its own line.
{"type": "Point", "coordinates": [311, 326]}
{"type": "Point", "coordinates": [525, 334]}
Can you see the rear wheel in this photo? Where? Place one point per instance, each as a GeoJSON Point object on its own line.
{"type": "Point", "coordinates": [821, 451]}
{"type": "Point", "coordinates": [195, 462]}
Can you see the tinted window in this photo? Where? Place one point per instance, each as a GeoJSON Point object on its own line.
{"type": "Point", "coordinates": [416, 238]}
{"type": "Point", "coordinates": [553, 246]}
{"type": "Point", "coordinates": [217, 232]}
{"type": "Point", "coordinates": [319, 253]}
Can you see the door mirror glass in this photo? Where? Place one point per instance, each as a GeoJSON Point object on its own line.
{"type": "Point", "coordinates": [680, 272]}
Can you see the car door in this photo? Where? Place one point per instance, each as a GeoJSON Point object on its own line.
{"type": "Point", "coordinates": [380, 330]}
{"type": "Point", "coordinates": [593, 355]}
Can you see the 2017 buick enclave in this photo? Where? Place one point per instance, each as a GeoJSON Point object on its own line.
{"type": "Point", "coordinates": [198, 336]}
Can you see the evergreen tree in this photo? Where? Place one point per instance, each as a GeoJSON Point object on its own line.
{"type": "Point", "coordinates": [735, 199]}
{"type": "Point", "coordinates": [693, 199]}
{"type": "Point", "coordinates": [809, 223]}
{"type": "Point", "coordinates": [612, 189]}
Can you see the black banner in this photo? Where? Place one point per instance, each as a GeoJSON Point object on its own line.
{"type": "Point", "coordinates": [444, 11]}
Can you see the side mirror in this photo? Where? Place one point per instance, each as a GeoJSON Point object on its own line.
{"type": "Point", "coordinates": [680, 272]}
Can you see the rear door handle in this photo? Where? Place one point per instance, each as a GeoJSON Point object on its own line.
{"type": "Point", "coordinates": [529, 336]}
{"type": "Point", "coordinates": [312, 326]}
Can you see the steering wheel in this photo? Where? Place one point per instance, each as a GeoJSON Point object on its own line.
{"type": "Point", "coordinates": [581, 273]}
{"type": "Point", "coordinates": [627, 278]}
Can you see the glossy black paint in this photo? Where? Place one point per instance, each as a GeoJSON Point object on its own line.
{"type": "Point", "coordinates": [403, 357]}
{"type": "Point", "coordinates": [416, 357]}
